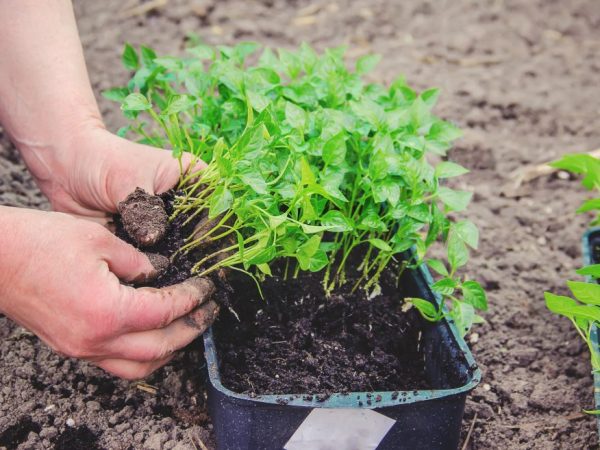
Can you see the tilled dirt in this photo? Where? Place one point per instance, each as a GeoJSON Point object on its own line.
{"type": "Point", "coordinates": [520, 77]}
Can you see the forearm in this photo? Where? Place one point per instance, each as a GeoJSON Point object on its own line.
{"type": "Point", "coordinates": [45, 94]}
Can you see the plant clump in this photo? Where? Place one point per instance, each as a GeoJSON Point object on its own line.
{"type": "Point", "coordinates": [308, 163]}
{"type": "Point", "coordinates": [583, 308]}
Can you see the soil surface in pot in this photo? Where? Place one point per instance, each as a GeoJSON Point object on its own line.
{"type": "Point", "coordinates": [296, 340]}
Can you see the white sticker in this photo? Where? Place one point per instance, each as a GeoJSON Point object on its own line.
{"type": "Point", "coordinates": [334, 429]}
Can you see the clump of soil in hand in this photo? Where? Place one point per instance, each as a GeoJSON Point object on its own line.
{"type": "Point", "coordinates": [144, 217]}
{"type": "Point", "coordinates": [298, 341]}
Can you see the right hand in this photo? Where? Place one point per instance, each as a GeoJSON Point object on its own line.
{"type": "Point", "coordinates": [59, 278]}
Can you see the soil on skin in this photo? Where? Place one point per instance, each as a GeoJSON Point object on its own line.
{"type": "Point", "coordinates": [296, 340]}
{"type": "Point", "coordinates": [520, 77]}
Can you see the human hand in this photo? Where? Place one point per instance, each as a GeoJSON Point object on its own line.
{"type": "Point", "coordinates": [89, 174]}
{"type": "Point", "coordinates": [59, 278]}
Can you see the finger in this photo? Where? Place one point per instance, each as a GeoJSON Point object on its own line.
{"type": "Point", "coordinates": [127, 262]}
{"type": "Point", "coordinates": [131, 370]}
{"type": "Point", "coordinates": [148, 308]}
{"type": "Point", "coordinates": [155, 345]}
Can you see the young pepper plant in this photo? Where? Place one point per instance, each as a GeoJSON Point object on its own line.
{"type": "Point", "coordinates": [308, 165]}
{"type": "Point", "coordinates": [584, 308]}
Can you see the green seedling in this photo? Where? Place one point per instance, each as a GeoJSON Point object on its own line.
{"type": "Point", "coordinates": [309, 165]}
{"type": "Point", "coordinates": [583, 308]}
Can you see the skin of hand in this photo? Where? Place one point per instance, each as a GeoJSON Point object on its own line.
{"type": "Point", "coordinates": [60, 274]}
{"type": "Point", "coordinates": [63, 284]}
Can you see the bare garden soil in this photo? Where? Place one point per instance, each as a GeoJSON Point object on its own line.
{"type": "Point", "coordinates": [521, 78]}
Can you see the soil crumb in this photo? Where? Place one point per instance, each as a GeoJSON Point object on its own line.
{"type": "Point", "coordinates": [144, 217]}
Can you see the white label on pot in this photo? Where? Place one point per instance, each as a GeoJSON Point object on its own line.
{"type": "Point", "coordinates": [334, 429]}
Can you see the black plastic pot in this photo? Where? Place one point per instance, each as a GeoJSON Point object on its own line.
{"type": "Point", "coordinates": [591, 239]}
{"type": "Point", "coordinates": [426, 419]}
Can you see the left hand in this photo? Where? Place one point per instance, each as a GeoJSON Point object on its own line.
{"type": "Point", "coordinates": [100, 169]}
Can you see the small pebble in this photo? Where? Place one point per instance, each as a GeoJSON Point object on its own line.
{"type": "Point", "coordinates": [542, 240]}
{"type": "Point", "coordinates": [70, 422]}
{"type": "Point", "coordinates": [563, 175]}
{"type": "Point", "coordinates": [49, 408]}
{"type": "Point", "coordinates": [486, 387]}
{"type": "Point", "coordinates": [474, 338]}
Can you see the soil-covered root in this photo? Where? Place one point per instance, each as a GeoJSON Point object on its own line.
{"type": "Point", "coordinates": [144, 217]}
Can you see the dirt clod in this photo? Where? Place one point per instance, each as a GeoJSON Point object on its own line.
{"type": "Point", "coordinates": [144, 217]}
{"type": "Point", "coordinates": [159, 262]}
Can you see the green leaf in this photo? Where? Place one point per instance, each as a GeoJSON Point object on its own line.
{"type": "Point", "coordinates": [306, 251]}
{"type": "Point", "coordinates": [264, 268]}
{"type": "Point", "coordinates": [443, 132]}
{"type": "Point", "coordinates": [148, 55]}
{"type": "Point", "coordinates": [430, 96]}
{"type": "Point", "coordinates": [590, 271]}
{"type": "Point", "coordinates": [454, 200]}
{"type": "Point", "coordinates": [447, 169]}
{"type": "Point", "coordinates": [474, 295]}
{"type": "Point", "coordinates": [318, 261]}
{"type": "Point", "coordinates": [121, 132]}
{"type": "Point", "coordinates": [295, 116]}
{"type": "Point", "coordinates": [589, 205]}
{"type": "Point", "coordinates": [130, 58]}
{"type": "Point", "coordinates": [380, 244]}
{"type": "Point", "coordinates": [202, 52]}
{"type": "Point", "coordinates": [559, 304]}
{"type": "Point", "coordinates": [334, 150]}
{"type": "Point", "coordinates": [426, 308]}
{"type": "Point", "coordinates": [367, 63]}
{"type": "Point", "coordinates": [336, 222]}
{"type": "Point", "coordinates": [438, 266]}
{"type": "Point", "coordinates": [275, 221]}
{"type": "Point", "coordinates": [255, 181]}
{"type": "Point", "coordinates": [463, 315]}
{"type": "Point", "coordinates": [220, 201]}
{"type": "Point", "coordinates": [117, 94]}
{"type": "Point", "coordinates": [258, 101]}
{"type": "Point", "coordinates": [136, 102]}
{"type": "Point", "coordinates": [177, 104]}
{"type": "Point", "coordinates": [458, 255]}
{"type": "Point", "coordinates": [445, 286]}
{"type": "Point", "coordinates": [585, 292]}
{"type": "Point", "coordinates": [467, 231]}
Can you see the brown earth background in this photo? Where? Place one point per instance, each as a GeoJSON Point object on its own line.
{"type": "Point", "coordinates": [520, 77]}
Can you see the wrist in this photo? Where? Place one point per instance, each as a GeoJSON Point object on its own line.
{"type": "Point", "coordinates": [54, 154]}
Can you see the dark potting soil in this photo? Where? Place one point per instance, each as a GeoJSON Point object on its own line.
{"type": "Point", "coordinates": [80, 438]}
{"type": "Point", "coordinates": [18, 433]}
{"type": "Point", "coordinates": [595, 247]}
{"type": "Point", "coordinates": [296, 340]}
